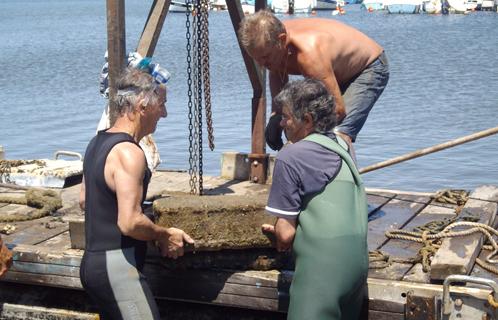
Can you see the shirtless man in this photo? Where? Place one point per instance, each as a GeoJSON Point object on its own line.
{"type": "Point", "coordinates": [352, 66]}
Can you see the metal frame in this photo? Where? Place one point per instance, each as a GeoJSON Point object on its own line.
{"type": "Point", "coordinates": [116, 46]}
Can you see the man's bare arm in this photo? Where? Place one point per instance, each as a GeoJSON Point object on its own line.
{"type": "Point", "coordinates": [128, 165]}
{"type": "Point", "coordinates": [277, 82]}
{"type": "Point", "coordinates": [82, 194]}
{"type": "Point", "coordinates": [126, 178]}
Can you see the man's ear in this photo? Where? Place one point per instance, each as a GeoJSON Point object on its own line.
{"type": "Point", "coordinates": [308, 121]}
{"type": "Point", "coordinates": [282, 39]}
{"type": "Point", "coordinates": [142, 104]}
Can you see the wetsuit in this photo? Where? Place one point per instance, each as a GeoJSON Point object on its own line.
{"type": "Point", "coordinates": [111, 266]}
{"type": "Point", "coordinates": [316, 182]}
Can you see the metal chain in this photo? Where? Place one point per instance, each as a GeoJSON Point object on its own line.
{"type": "Point", "coordinates": [192, 164]}
{"type": "Point", "coordinates": [206, 71]}
{"type": "Point", "coordinates": [196, 97]}
{"type": "Point", "coordinates": [199, 87]}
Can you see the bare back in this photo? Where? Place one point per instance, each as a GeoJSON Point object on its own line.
{"type": "Point", "coordinates": [323, 41]}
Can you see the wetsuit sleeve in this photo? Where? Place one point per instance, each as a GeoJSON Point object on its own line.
{"type": "Point", "coordinates": [284, 200]}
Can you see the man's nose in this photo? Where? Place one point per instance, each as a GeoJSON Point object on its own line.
{"type": "Point", "coordinates": [164, 113]}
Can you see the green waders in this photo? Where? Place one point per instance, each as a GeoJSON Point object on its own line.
{"type": "Point", "coordinates": [330, 246]}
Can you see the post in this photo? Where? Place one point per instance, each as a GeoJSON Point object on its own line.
{"type": "Point", "coordinates": [116, 48]}
{"type": "Point", "coordinates": [153, 26]}
{"type": "Point", "coordinates": [257, 75]}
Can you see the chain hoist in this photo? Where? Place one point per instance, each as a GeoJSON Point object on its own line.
{"type": "Point", "coordinates": [206, 70]}
{"type": "Point", "coordinates": [198, 83]}
{"type": "Point", "coordinates": [192, 164]}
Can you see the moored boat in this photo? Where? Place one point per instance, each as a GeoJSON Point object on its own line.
{"type": "Point", "coordinates": [431, 6]}
{"type": "Point", "coordinates": [404, 6]}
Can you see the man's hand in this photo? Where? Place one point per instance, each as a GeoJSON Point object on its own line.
{"type": "Point", "coordinates": [172, 245]}
{"type": "Point", "coordinates": [273, 132]}
{"type": "Point", "coordinates": [5, 259]}
{"type": "Point", "coordinates": [284, 233]}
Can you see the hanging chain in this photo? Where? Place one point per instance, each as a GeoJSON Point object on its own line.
{"type": "Point", "coordinates": [199, 86]}
{"type": "Point", "coordinates": [192, 164]}
{"type": "Point", "coordinates": [205, 70]}
{"type": "Point", "coordinates": [198, 81]}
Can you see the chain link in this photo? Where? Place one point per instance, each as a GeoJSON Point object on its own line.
{"type": "Point", "coordinates": [206, 71]}
{"type": "Point", "coordinates": [199, 86]}
{"type": "Point", "coordinates": [192, 164]}
{"type": "Point", "coordinates": [198, 81]}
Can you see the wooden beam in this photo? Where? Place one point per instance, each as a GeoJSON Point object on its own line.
{"type": "Point", "coordinates": [19, 311]}
{"type": "Point", "coordinates": [257, 75]}
{"type": "Point", "coordinates": [153, 26]}
{"type": "Point", "coordinates": [457, 255]}
{"type": "Point", "coordinates": [116, 49]}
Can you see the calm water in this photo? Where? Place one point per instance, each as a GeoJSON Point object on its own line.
{"type": "Point", "coordinates": [443, 85]}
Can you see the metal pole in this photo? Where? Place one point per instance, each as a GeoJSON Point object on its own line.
{"type": "Point", "coordinates": [435, 148]}
{"type": "Point", "coordinates": [116, 48]}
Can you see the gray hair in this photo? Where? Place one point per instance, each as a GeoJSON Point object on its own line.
{"type": "Point", "coordinates": [134, 85]}
{"type": "Point", "coordinates": [261, 26]}
{"type": "Point", "coordinates": [309, 96]}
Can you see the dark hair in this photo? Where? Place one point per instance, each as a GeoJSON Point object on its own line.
{"type": "Point", "coordinates": [309, 96]}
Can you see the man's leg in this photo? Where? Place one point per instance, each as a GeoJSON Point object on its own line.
{"type": "Point", "coordinates": [361, 95]}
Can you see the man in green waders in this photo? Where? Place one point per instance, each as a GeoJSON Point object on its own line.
{"type": "Point", "coordinates": [318, 196]}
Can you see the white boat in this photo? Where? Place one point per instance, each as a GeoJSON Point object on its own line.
{"type": "Point", "coordinates": [324, 5]}
{"type": "Point", "coordinates": [373, 5]}
{"type": "Point", "coordinates": [178, 6]}
{"type": "Point", "coordinates": [431, 6]}
{"type": "Point", "coordinates": [404, 6]}
{"type": "Point", "coordinates": [457, 6]}
{"type": "Point", "coordinates": [300, 6]}
{"type": "Point", "coordinates": [471, 5]}
{"type": "Point", "coordinates": [487, 5]}
{"type": "Point", "coordinates": [217, 5]}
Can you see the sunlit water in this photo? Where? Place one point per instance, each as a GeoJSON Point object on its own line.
{"type": "Point", "coordinates": [443, 85]}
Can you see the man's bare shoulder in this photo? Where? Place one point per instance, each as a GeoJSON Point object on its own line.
{"type": "Point", "coordinates": [312, 25]}
{"type": "Point", "coordinates": [128, 156]}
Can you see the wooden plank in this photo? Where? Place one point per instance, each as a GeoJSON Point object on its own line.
{"type": "Point", "coordinates": [395, 271]}
{"type": "Point", "coordinates": [394, 215]}
{"type": "Point", "coordinates": [36, 231]}
{"type": "Point", "coordinates": [153, 26]}
{"type": "Point", "coordinates": [59, 243]}
{"type": "Point", "coordinates": [404, 249]}
{"type": "Point", "coordinates": [116, 48]}
{"type": "Point", "coordinates": [457, 255]}
{"type": "Point", "coordinates": [43, 279]}
{"type": "Point", "coordinates": [21, 312]}
{"type": "Point", "coordinates": [37, 254]}
{"type": "Point", "coordinates": [380, 315]}
{"type": "Point", "coordinates": [11, 210]}
{"type": "Point", "coordinates": [478, 271]}
{"type": "Point", "coordinates": [45, 269]}
{"type": "Point", "coordinates": [375, 202]}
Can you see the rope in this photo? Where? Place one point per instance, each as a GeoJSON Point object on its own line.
{"type": "Point", "coordinates": [46, 201]}
{"type": "Point", "coordinates": [492, 302]}
{"type": "Point", "coordinates": [428, 239]}
{"type": "Point", "coordinates": [457, 197]}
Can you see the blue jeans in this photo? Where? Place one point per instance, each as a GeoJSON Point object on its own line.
{"type": "Point", "coordinates": [361, 93]}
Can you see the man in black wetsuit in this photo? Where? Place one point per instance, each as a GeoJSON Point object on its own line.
{"type": "Point", "coordinates": [115, 180]}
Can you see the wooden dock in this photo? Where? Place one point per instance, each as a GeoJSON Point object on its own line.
{"type": "Point", "coordinates": [45, 262]}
